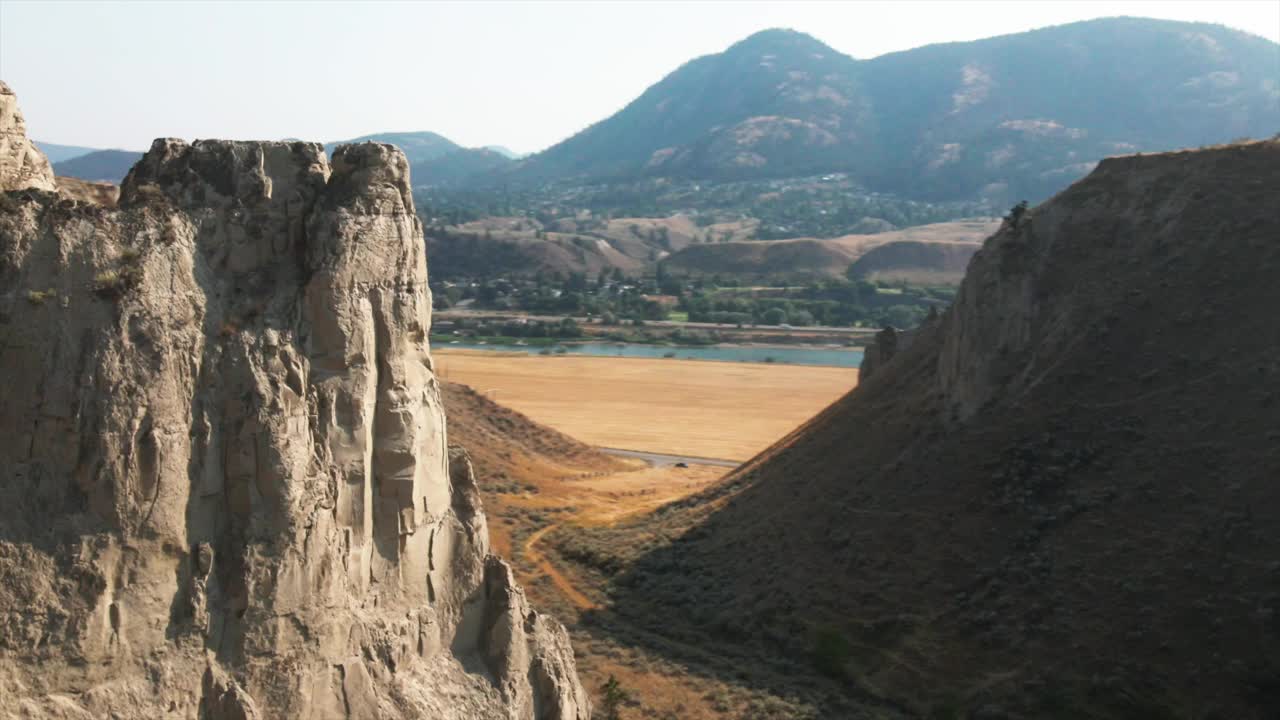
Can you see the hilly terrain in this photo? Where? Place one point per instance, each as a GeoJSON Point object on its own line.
{"type": "Point", "coordinates": [58, 153]}
{"type": "Point", "coordinates": [684, 246]}
{"type": "Point", "coordinates": [1000, 119]}
{"type": "Point", "coordinates": [458, 166]}
{"type": "Point", "coordinates": [435, 159]}
{"type": "Point", "coordinates": [417, 146]}
{"type": "Point", "coordinates": [934, 253]}
{"type": "Point", "coordinates": [1057, 499]}
{"type": "Point", "coordinates": [580, 244]}
{"type": "Point", "coordinates": [98, 166]}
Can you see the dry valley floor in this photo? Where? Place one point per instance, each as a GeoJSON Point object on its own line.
{"type": "Point", "coordinates": [539, 479]}
{"type": "Point", "coordinates": [677, 407]}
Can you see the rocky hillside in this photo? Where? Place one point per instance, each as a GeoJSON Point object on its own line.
{"type": "Point", "coordinates": [1003, 118]}
{"type": "Point", "coordinates": [1058, 500]}
{"type": "Point", "coordinates": [227, 484]}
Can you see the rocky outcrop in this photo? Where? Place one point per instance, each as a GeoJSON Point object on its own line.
{"type": "Point", "coordinates": [227, 485]}
{"type": "Point", "coordinates": [22, 165]}
{"type": "Point", "coordinates": [881, 350]}
{"type": "Point", "coordinates": [102, 193]}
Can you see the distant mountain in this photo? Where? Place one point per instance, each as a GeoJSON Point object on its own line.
{"type": "Point", "coordinates": [99, 165]}
{"type": "Point", "coordinates": [437, 160]}
{"type": "Point", "coordinates": [417, 146]}
{"type": "Point", "coordinates": [504, 151]}
{"type": "Point", "coordinates": [58, 153]}
{"type": "Point", "coordinates": [457, 166]}
{"type": "Point", "coordinates": [1006, 117]}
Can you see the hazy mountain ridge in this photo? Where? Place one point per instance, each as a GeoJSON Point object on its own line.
{"type": "Point", "coordinates": [58, 153]}
{"type": "Point", "coordinates": [418, 146]}
{"type": "Point", "coordinates": [99, 166]}
{"type": "Point", "coordinates": [458, 166]}
{"type": "Point", "coordinates": [435, 159]}
{"type": "Point", "coordinates": [1021, 114]}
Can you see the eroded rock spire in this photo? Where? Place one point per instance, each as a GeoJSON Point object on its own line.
{"type": "Point", "coordinates": [228, 489]}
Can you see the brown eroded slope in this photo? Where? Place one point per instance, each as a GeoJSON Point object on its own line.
{"type": "Point", "coordinates": [507, 446]}
{"type": "Point", "coordinates": [1059, 501]}
{"type": "Point", "coordinates": [911, 261]}
{"type": "Point", "coordinates": [831, 257]}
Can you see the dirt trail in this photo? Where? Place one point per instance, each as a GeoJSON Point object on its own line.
{"type": "Point", "coordinates": [562, 583]}
{"type": "Point", "coordinates": [600, 499]}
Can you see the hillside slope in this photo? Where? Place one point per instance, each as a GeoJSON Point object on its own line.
{"type": "Point", "coordinates": [417, 146]}
{"type": "Point", "coordinates": [58, 153]}
{"type": "Point", "coordinates": [1002, 118]}
{"type": "Point", "coordinates": [1059, 501]}
{"type": "Point", "coordinates": [507, 447]}
{"type": "Point", "coordinates": [936, 252]}
{"type": "Point", "coordinates": [915, 261]}
{"type": "Point", "coordinates": [99, 166]}
{"type": "Point", "coordinates": [458, 166]}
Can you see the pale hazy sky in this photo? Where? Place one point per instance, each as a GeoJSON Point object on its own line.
{"type": "Point", "coordinates": [524, 75]}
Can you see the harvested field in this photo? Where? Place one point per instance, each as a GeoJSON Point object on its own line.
{"type": "Point", "coordinates": [678, 407]}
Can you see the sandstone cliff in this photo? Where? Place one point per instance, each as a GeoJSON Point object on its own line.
{"type": "Point", "coordinates": [22, 165]}
{"type": "Point", "coordinates": [226, 482]}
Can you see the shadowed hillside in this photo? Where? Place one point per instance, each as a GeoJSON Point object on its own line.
{"type": "Point", "coordinates": [1059, 500]}
{"type": "Point", "coordinates": [914, 261]}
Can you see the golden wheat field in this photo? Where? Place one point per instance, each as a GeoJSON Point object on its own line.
{"type": "Point", "coordinates": [679, 407]}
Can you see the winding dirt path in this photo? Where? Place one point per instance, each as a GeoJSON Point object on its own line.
{"type": "Point", "coordinates": [581, 601]}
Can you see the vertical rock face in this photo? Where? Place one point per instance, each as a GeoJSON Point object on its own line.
{"type": "Point", "coordinates": [22, 165]}
{"type": "Point", "coordinates": [228, 491]}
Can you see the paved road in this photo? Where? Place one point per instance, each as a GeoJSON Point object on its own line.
{"type": "Point", "coordinates": [661, 460]}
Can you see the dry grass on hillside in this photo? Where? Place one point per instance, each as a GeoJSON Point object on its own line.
{"type": "Point", "coordinates": [537, 481]}
{"type": "Point", "coordinates": [819, 257]}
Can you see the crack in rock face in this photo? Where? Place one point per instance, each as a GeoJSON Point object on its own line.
{"type": "Point", "coordinates": [227, 485]}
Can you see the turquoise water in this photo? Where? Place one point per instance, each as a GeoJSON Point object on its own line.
{"type": "Point", "coordinates": [792, 356]}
